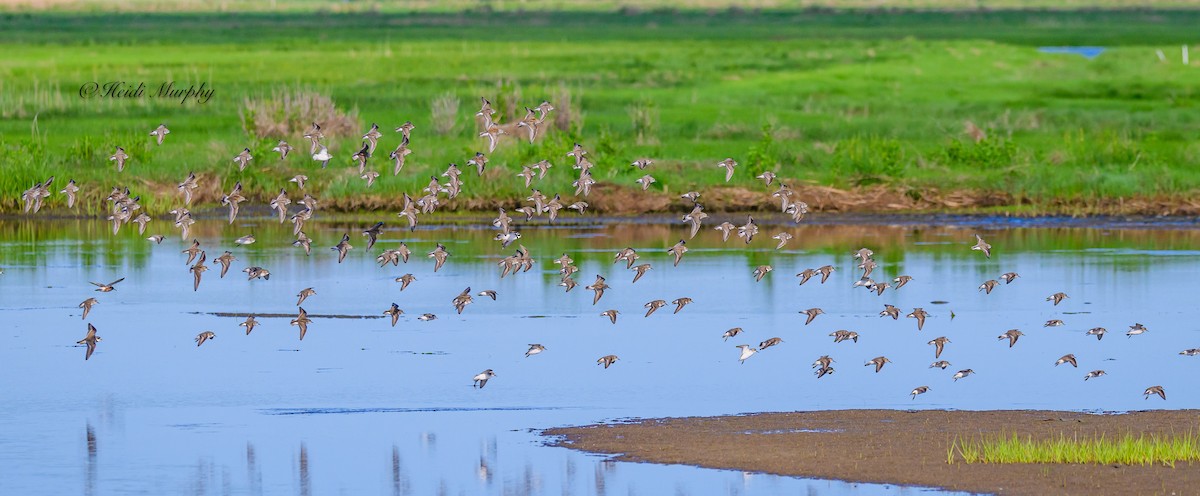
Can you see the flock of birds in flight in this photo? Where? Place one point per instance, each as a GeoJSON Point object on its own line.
{"type": "Point", "coordinates": [125, 208]}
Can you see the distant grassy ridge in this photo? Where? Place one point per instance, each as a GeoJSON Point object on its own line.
{"type": "Point", "coordinates": [858, 101]}
{"type": "Point", "coordinates": [557, 5]}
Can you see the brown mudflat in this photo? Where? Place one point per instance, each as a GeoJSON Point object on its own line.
{"type": "Point", "coordinates": [897, 447]}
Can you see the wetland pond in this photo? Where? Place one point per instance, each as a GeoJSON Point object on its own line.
{"type": "Point", "coordinates": [360, 407]}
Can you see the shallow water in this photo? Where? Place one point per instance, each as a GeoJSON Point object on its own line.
{"type": "Point", "coordinates": [358, 407]}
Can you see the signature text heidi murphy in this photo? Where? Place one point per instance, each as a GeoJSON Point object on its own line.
{"type": "Point", "coordinates": [168, 90]}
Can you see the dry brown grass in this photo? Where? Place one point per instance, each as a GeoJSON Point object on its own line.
{"type": "Point", "coordinates": [289, 112]}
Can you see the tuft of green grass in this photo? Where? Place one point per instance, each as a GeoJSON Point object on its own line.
{"type": "Point", "coordinates": [1125, 449]}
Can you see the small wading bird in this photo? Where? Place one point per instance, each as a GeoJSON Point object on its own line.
{"type": "Point", "coordinates": [90, 341]}
{"type": "Point", "coordinates": [204, 336]}
{"type": "Point", "coordinates": [481, 379]}
{"type": "Point", "coordinates": [747, 352]}
{"type": "Point", "coordinates": [534, 349]}
{"type": "Point", "coordinates": [607, 360]}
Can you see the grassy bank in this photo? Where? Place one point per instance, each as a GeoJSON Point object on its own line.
{"type": "Point", "coordinates": [1124, 449]}
{"type": "Point", "coordinates": [868, 110]}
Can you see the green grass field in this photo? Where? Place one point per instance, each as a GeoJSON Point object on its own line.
{"type": "Point", "coordinates": [855, 100]}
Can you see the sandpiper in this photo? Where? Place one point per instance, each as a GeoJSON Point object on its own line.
{"type": "Point", "coordinates": [1054, 323]}
{"type": "Point", "coordinates": [981, 245]}
{"type": "Point", "coordinates": [822, 362]}
{"type": "Point", "coordinates": [731, 333]}
{"type": "Point", "coordinates": [812, 313]}
{"type": "Point", "coordinates": [769, 343]}
{"type": "Point", "coordinates": [645, 181]}
{"type": "Point", "coordinates": [192, 252]}
{"type": "Point", "coordinates": [1136, 329]}
{"type": "Point", "coordinates": [253, 273]}
{"type": "Point", "coordinates": [119, 157]}
{"type": "Point", "coordinates": [157, 239]}
{"type": "Point", "coordinates": [243, 159]}
{"type": "Point", "coordinates": [90, 340]}
{"type": "Point", "coordinates": [729, 165]}
{"type": "Point", "coordinates": [680, 303]}
{"type": "Point", "coordinates": [695, 218]}
{"type": "Point", "coordinates": [1068, 358]}
{"type": "Point", "coordinates": [283, 149]}
{"type": "Point", "coordinates": [1009, 277]}
{"type": "Point", "coordinates": [233, 201]}
{"type": "Point", "coordinates": [87, 306]}
{"type": "Point", "coordinates": [249, 324]}
{"type": "Point", "coordinates": [1099, 332]}
{"type": "Point", "coordinates": [749, 230]}
{"type": "Point", "coordinates": [1162, 393]}
{"type": "Point", "coordinates": [1057, 298]}
{"type": "Point", "coordinates": [940, 364]}
{"type": "Point", "coordinates": [343, 247]}
{"type": "Point", "coordinates": [725, 228]}
{"type": "Point", "coordinates": [919, 314]}
{"type": "Point", "coordinates": [462, 300]}
{"type": "Point", "coordinates": [1094, 374]}
{"type": "Point", "coordinates": [783, 238]}
{"type": "Point", "coordinates": [70, 191]}
{"type": "Point", "coordinates": [304, 294]}
{"type": "Point", "coordinates": [890, 311]}
{"type": "Point", "coordinates": [612, 314]}
{"type": "Point", "coordinates": [805, 275]}
{"type": "Point", "coordinates": [640, 271]}
{"type": "Point", "coordinates": [761, 272]}
{"type": "Point", "coordinates": [767, 176]}
{"type": "Point", "coordinates": [823, 371]}
{"type": "Point", "coordinates": [302, 322]}
{"type": "Point", "coordinates": [629, 255]}
{"type": "Point", "coordinates": [842, 335]}
{"type": "Point", "coordinates": [919, 390]}
{"type": "Point", "coordinates": [747, 352]}
{"type": "Point", "coordinates": [1190, 352]}
{"type": "Point", "coordinates": [678, 250]}
{"type": "Point", "coordinates": [245, 240]}
{"type": "Point", "coordinates": [197, 270]}
{"type": "Point", "coordinates": [205, 336]}
{"type": "Point", "coordinates": [160, 132]}
{"type": "Point", "coordinates": [599, 286]}
{"type": "Point", "coordinates": [104, 288]}
{"type": "Point", "coordinates": [438, 255]}
{"type": "Point", "coordinates": [607, 360]}
{"type": "Point", "coordinates": [534, 349]}
{"type": "Point", "coordinates": [405, 280]}
{"type": "Point", "coordinates": [1012, 335]}
{"type": "Point", "coordinates": [825, 271]}
{"type": "Point", "coordinates": [878, 362]}
{"type": "Point", "coordinates": [568, 283]}
{"type": "Point", "coordinates": [394, 312]}
{"type": "Point", "coordinates": [654, 305]}
{"type": "Point", "coordinates": [939, 344]}
{"type": "Point", "coordinates": [481, 379]}
{"type": "Point", "coordinates": [488, 293]}
{"type": "Point", "coordinates": [901, 281]}
{"type": "Point", "coordinates": [372, 234]}
{"type": "Point", "coordinates": [225, 260]}
{"type": "Point", "coordinates": [426, 317]}
{"type": "Point", "coordinates": [322, 156]}
{"type": "Point", "coordinates": [962, 373]}
{"type": "Point", "coordinates": [988, 286]}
